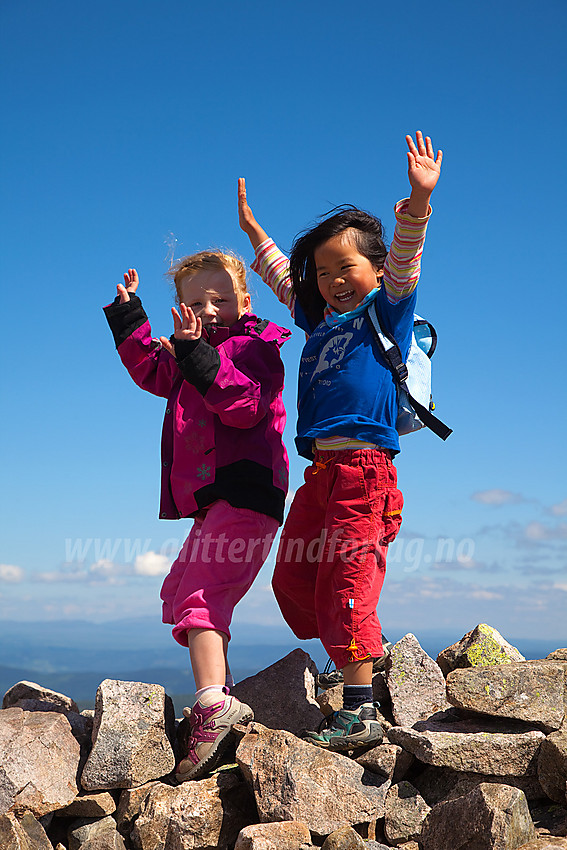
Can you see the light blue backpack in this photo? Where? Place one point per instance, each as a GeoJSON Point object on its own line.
{"type": "Point", "coordinates": [413, 378]}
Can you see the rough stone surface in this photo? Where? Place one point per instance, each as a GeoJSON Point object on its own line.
{"type": "Point", "coordinates": [344, 838]}
{"type": "Point", "coordinates": [387, 760]}
{"type": "Point", "coordinates": [208, 813]}
{"type": "Point", "coordinates": [43, 699]}
{"type": "Point", "coordinates": [273, 836]}
{"type": "Point", "coordinates": [475, 745]}
{"type": "Point", "coordinates": [415, 682]}
{"type": "Point", "coordinates": [293, 780]}
{"type": "Point", "coordinates": [533, 691]}
{"type": "Point", "coordinates": [492, 817]}
{"type": "Point", "coordinates": [39, 758]}
{"type": "Point", "coordinates": [95, 805]}
{"type": "Point", "coordinates": [548, 843]}
{"type": "Point", "coordinates": [130, 744]}
{"type": "Point", "coordinates": [442, 783]}
{"type": "Point", "coordinates": [330, 700]}
{"type": "Point", "coordinates": [480, 647]}
{"type": "Point", "coordinates": [552, 766]}
{"type": "Point", "coordinates": [98, 834]}
{"type": "Point", "coordinates": [12, 836]}
{"type": "Point", "coordinates": [557, 655]}
{"type": "Point", "coordinates": [35, 832]}
{"type": "Point", "coordinates": [129, 805]}
{"type": "Point", "coordinates": [405, 811]}
{"type": "Point", "coordinates": [283, 695]}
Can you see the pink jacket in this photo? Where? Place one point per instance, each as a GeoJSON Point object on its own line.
{"type": "Point", "coordinates": [224, 419]}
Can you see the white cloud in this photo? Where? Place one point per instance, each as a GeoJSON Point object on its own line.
{"type": "Point", "coordinates": [538, 531]}
{"type": "Point", "coordinates": [497, 497]}
{"type": "Point", "coordinates": [11, 573]}
{"type": "Point", "coordinates": [152, 564]}
{"type": "Point", "coordinates": [560, 509]}
{"type": "Point", "coordinates": [485, 594]}
{"type": "Point", "coordinates": [102, 568]}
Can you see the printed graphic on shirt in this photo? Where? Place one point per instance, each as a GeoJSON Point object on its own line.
{"type": "Point", "coordinates": [332, 353]}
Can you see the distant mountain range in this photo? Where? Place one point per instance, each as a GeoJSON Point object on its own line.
{"type": "Point", "coordinates": [73, 657]}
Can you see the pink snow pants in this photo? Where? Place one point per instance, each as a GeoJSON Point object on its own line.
{"type": "Point", "coordinates": [220, 559]}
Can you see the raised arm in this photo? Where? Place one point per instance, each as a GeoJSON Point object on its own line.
{"type": "Point", "coordinates": [403, 263]}
{"type": "Point", "coordinates": [152, 368]}
{"type": "Point", "coordinates": [269, 263]}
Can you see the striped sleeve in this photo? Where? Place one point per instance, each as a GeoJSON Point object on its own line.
{"type": "Point", "coordinates": [273, 268]}
{"type": "Point", "coordinates": [403, 263]}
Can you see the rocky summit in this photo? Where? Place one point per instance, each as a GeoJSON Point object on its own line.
{"type": "Point", "coordinates": [474, 757]}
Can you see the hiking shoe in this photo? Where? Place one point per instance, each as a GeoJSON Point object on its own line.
{"type": "Point", "coordinates": [209, 735]}
{"type": "Point", "coordinates": [329, 677]}
{"type": "Point", "coordinates": [348, 730]}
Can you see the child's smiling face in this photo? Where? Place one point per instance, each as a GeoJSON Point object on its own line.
{"type": "Point", "coordinates": [213, 297]}
{"type": "Point", "coordinates": [344, 275]}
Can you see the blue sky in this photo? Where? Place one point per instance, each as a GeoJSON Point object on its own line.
{"type": "Point", "coordinates": [126, 127]}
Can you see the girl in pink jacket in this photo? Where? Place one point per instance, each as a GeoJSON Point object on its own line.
{"type": "Point", "coordinates": [223, 463]}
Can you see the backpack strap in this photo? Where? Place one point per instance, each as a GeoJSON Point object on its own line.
{"type": "Point", "coordinates": [390, 351]}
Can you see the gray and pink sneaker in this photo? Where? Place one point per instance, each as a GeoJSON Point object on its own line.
{"type": "Point", "coordinates": [209, 734]}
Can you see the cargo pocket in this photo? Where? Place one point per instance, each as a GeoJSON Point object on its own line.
{"type": "Point", "coordinates": [392, 516]}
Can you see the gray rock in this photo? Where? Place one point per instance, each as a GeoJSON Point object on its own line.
{"type": "Point", "coordinates": [480, 647]}
{"type": "Point", "coordinates": [12, 836]}
{"type": "Point", "coordinates": [492, 817]}
{"type": "Point", "coordinates": [40, 698]}
{"type": "Point", "coordinates": [98, 834]}
{"type": "Point", "coordinates": [344, 838]}
{"type": "Point", "coordinates": [330, 700]}
{"type": "Point", "coordinates": [480, 745]}
{"type": "Point", "coordinates": [552, 766]}
{"type": "Point", "coordinates": [35, 833]}
{"type": "Point", "coordinates": [283, 695]}
{"type": "Point", "coordinates": [97, 804]}
{"type": "Point", "coordinates": [387, 760]}
{"type": "Point", "coordinates": [289, 835]}
{"type": "Point", "coordinates": [294, 780]}
{"type": "Point", "coordinates": [415, 682]}
{"type": "Point", "coordinates": [436, 784]}
{"type": "Point", "coordinates": [557, 655]}
{"type": "Point", "coordinates": [208, 813]}
{"type": "Point", "coordinates": [39, 758]}
{"type": "Point", "coordinates": [405, 811]}
{"type": "Point", "coordinates": [130, 743]}
{"type": "Point", "coordinates": [533, 691]}
{"type": "Point", "coordinates": [129, 806]}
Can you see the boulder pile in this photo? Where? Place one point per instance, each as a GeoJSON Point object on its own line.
{"type": "Point", "coordinates": [474, 757]}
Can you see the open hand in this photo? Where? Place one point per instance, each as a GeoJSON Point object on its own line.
{"type": "Point", "coordinates": [246, 217]}
{"type": "Point", "coordinates": [423, 167]}
{"type": "Point", "coordinates": [187, 326]}
{"type": "Point", "coordinates": [131, 282]}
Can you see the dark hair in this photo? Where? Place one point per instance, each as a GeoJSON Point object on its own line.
{"type": "Point", "coordinates": [368, 238]}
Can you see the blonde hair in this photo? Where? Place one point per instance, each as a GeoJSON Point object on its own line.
{"type": "Point", "coordinates": [212, 260]}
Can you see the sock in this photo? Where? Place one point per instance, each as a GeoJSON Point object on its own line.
{"type": "Point", "coordinates": [355, 695]}
{"type": "Point", "coordinates": [229, 681]}
{"type": "Point", "coordinates": [210, 694]}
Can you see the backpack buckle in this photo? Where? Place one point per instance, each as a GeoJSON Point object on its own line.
{"type": "Point", "coordinates": [402, 371]}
